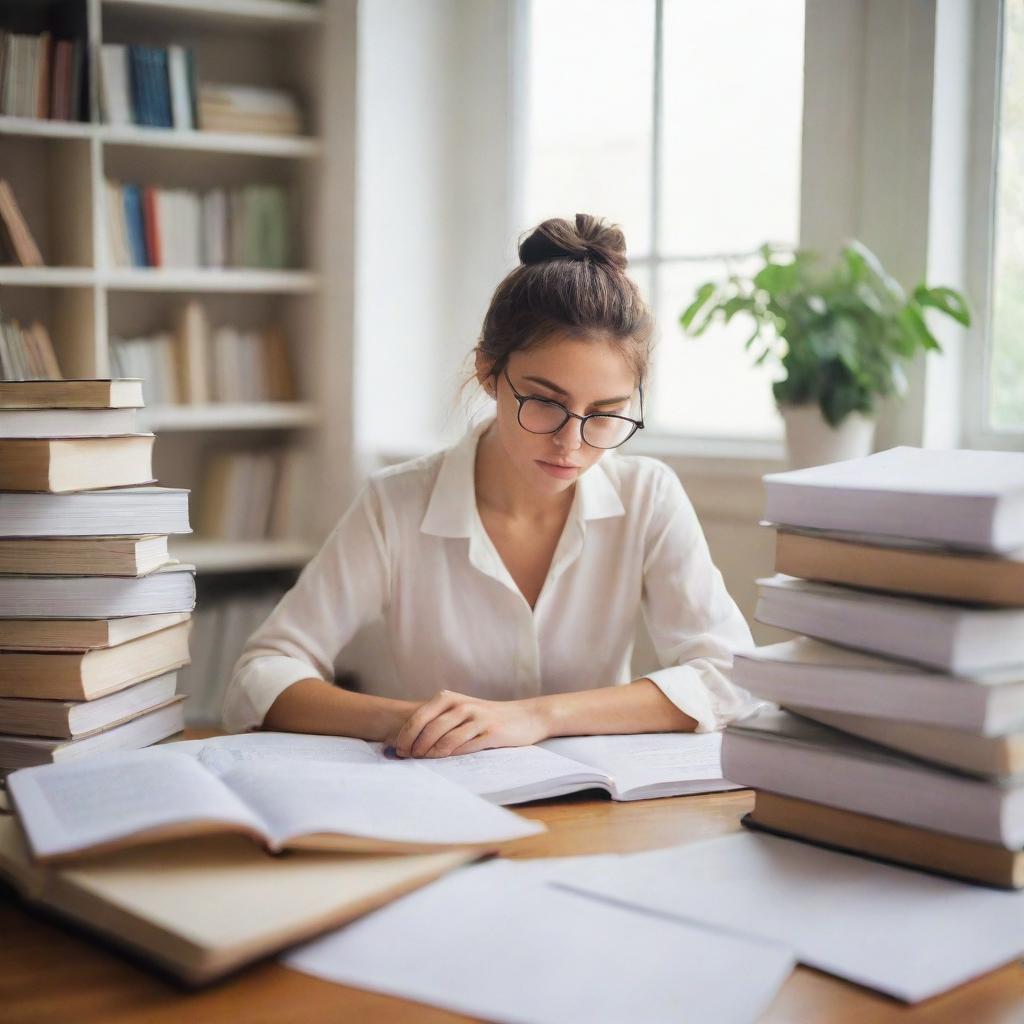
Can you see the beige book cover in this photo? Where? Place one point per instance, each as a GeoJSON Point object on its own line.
{"type": "Point", "coordinates": [81, 634]}
{"type": "Point", "coordinates": [58, 465]}
{"type": "Point", "coordinates": [123, 393]}
{"type": "Point", "coordinates": [201, 908]}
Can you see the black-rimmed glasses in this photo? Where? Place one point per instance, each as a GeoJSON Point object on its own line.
{"type": "Point", "coordinates": [598, 429]}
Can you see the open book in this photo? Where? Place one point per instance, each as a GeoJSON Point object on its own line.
{"type": "Point", "coordinates": [627, 767]}
{"type": "Point", "coordinates": [364, 804]}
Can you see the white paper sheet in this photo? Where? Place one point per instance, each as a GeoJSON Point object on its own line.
{"type": "Point", "coordinates": [494, 941]}
{"type": "Point", "coordinates": [903, 932]}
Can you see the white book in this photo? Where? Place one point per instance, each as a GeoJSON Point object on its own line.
{"type": "Point", "coordinates": [792, 756]}
{"type": "Point", "coordinates": [114, 89]}
{"type": "Point", "coordinates": [110, 512]}
{"type": "Point", "coordinates": [66, 422]}
{"type": "Point", "coordinates": [636, 767]}
{"type": "Point", "coordinates": [140, 797]}
{"type": "Point", "coordinates": [181, 103]}
{"type": "Point", "coordinates": [169, 588]}
{"type": "Point", "coordinates": [906, 933]}
{"type": "Point", "coordinates": [973, 499]}
{"type": "Point", "coordinates": [961, 639]}
{"type": "Point", "coordinates": [830, 678]}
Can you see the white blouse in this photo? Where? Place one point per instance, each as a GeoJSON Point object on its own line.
{"type": "Point", "coordinates": [413, 550]}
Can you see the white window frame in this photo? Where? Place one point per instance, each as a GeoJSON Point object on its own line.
{"type": "Point", "coordinates": [985, 102]}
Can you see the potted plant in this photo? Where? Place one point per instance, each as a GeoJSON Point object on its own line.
{"type": "Point", "coordinates": [841, 333]}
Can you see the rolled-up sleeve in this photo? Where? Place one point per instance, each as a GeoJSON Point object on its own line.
{"type": "Point", "coordinates": [694, 624]}
{"type": "Point", "coordinates": [343, 587]}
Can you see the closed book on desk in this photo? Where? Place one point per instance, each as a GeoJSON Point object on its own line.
{"type": "Point", "coordinates": [83, 556]}
{"type": "Point", "coordinates": [925, 570]}
{"type": "Point", "coordinates": [63, 423]}
{"type": "Point", "coordinates": [784, 754]}
{"type": "Point", "coordinates": [170, 588]}
{"type": "Point", "coordinates": [145, 796]}
{"type": "Point", "coordinates": [201, 908]}
{"type": "Point", "coordinates": [963, 498]}
{"type": "Point", "coordinates": [81, 634]}
{"type": "Point", "coordinates": [88, 393]}
{"type": "Point", "coordinates": [136, 731]}
{"type": "Point", "coordinates": [888, 840]}
{"type": "Point", "coordinates": [114, 512]}
{"type": "Point", "coordinates": [820, 675]}
{"type": "Point", "coordinates": [86, 675]}
{"type": "Point", "coordinates": [954, 638]}
{"type": "Point", "coordinates": [61, 464]}
{"type": "Point", "coordinates": [69, 719]}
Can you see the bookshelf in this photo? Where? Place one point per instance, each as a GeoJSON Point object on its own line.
{"type": "Point", "coordinates": [58, 170]}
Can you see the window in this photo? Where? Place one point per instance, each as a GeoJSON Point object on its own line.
{"type": "Point", "coordinates": [1005, 384]}
{"type": "Point", "coordinates": [681, 121]}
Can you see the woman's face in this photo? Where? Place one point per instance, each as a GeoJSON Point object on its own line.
{"type": "Point", "coordinates": [585, 375]}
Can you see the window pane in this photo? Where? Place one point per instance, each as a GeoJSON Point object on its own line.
{"type": "Point", "coordinates": [1006, 405]}
{"type": "Point", "coordinates": [589, 113]}
{"type": "Point", "coordinates": [733, 104]}
{"type": "Point", "coordinates": [707, 386]}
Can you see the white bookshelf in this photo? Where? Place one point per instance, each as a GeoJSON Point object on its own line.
{"type": "Point", "coordinates": [58, 171]}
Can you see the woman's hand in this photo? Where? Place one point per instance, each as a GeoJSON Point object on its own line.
{"type": "Point", "coordinates": [452, 723]}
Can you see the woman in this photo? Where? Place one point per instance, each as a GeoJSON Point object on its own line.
{"type": "Point", "coordinates": [511, 568]}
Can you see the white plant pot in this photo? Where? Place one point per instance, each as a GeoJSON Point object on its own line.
{"type": "Point", "coordinates": [812, 441]}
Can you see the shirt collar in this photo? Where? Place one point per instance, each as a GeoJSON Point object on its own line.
{"type": "Point", "coordinates": [452, 510]}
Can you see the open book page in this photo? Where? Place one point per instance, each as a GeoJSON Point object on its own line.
{"type": "Point", "coordinates": [77, 805]}
{"type": "Point", "coordinates": [508, 775]}
{"type": "Point", "coordinates": [222, 753]}
{"type": "Point", "coordinates": [400, 803]}
{"type": "Point", "coordinates": [650, 764]}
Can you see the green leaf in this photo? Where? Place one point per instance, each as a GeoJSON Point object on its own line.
{"type": "Point", "coordinates": [704, 292]}
{"type": "Point", "coordinates": [945, 300]}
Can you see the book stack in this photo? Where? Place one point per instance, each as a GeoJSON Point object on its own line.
{"type": "Point", "coordinates": [247, 108]}
{"type": "Point", "coordinates": [901, 728]}
{"type": "Point", "coordinates": [94, 614]}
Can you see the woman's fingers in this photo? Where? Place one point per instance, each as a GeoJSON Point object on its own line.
{"type": "Point", "coordinates": [455, 738]}
{"type": "Point", "coordinates": [435, 730]}
{"type": "Point", "coordinates": [424, 714]}
{"type": "Point", "coordinates": [482, 741]}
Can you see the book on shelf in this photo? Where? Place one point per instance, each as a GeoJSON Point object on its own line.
{"type": "Point", "coordinates": [963, 498]}
{"type": "Point", "coordinates": [207, 907]}
{"type": "Point", "coordinates": [999, 756]}
{"type": "Point", "coordinates": [168, 588]}
{"type": "Point", "coordinates": [138, 731]}
{"type": "Point", "coordinates": [244, 226]}
{"type": "Point", "coordinates": [924, 570]}
{"type": "Point", "coordinates": [892, 841]}
{"type": "Point", "coordinates": [83, 556]}
{"type": "Point", "coordinates": [26, 353]}
{"type": "Point", "coordinates": [60, 464]}
{"type": "Point", "coordinates": [782, 753]}
{"type": "Point", "coordinates": [141, 797]}
{"type": "Point", "coordinates": [245, 108]}
{"type": "Point", "coordinates": [628, 767]}
{"type": "Point", "coordinates": [112, 512]}
{"type": "Point", "coordinates": [819, 675]}
{"type": "Point", "coordinates": [92, 673]}
{"type": "Point", "coordinates": [16, 242]}
{"type": "Point", "coordinates": [81, 634]}
{"type": "Point", "coordinates": [41, 76]}
{"type": "Point", "coordinates": [71, 719]}
{"type": "Point", "coordinates": [962, 639]}
{"type": "Point", "coordinates": [71, 394]}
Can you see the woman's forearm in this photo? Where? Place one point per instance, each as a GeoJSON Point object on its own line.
{"type": "Point", "coordinates": [639, 706]}
{"type": "Point", "coordinates": [311, 705]}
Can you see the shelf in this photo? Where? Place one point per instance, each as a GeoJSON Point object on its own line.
{"type": "Point", "coordinates": [42, 128]}
{"type": "Point", "coordinates": [203, 279]}
{"type": "Point", "coordinates": [228, 416]}
{"type": "Point", "coordinates": [48, 277]}
{"type": "Point", "coordinates": [297, 146]}
{"type": "Point", "coordinates": [217, 556]}
{"type": "Point", "coordinates": [270, 14]}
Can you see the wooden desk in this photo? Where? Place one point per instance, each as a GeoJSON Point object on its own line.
{"type": "Point", "coordinates": [49, 974]}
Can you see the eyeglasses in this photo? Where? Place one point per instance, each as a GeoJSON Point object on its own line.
{"type": "Point", "coordinates": [598, 429]}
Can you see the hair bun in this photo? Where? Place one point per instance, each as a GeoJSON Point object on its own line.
{"type": "Point", "coordinates": [591, 239]}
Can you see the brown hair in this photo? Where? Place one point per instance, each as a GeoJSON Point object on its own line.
{"type": "Point", "coordinates": [571, 279]}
